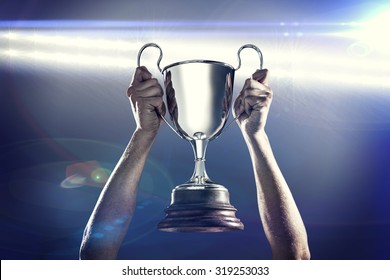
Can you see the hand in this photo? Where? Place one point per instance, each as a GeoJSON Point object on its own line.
{"type": "Point", "coordinates": [253, 103]}
{"type": "Point", "coordinates": [145, 94]}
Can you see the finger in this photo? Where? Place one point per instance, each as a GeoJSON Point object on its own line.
{"type": "Point", "coordinates": [168, 79]}
{"type": "Point", "coordinates": [152, 104]}
{"type": "Point", "coordinates": [247, 107]}
{"type": "Point", "coordinates": [141, 74]}
{"type": "Point", "coordinates": [252, 84]}
{"type": "Point", "coordinates": [147, 84]}
{"type": "Point", "coordinates": [253, 87]}
{"type": "Point", "coordinates": [255, 102]}
{"type": "Point", "coordinates": [238, 106]}
{"type": "Point", "coordinates": [161, 109]}
{"type": "Point", "coordinates": [247, 83]}
{"type": "Point", "coordinates": [256, 92]}
{"type": "Point", "coordinates": [149, 87]}
{"type": "Point", "coordinates": [152, 91]}
{"type": "Point", "coordinates": [170, 92]}
{"type": "Point", "coordinates": [261, 76]}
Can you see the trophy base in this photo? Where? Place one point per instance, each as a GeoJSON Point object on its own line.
{"type": "Point", "coordinates": [200, 208]}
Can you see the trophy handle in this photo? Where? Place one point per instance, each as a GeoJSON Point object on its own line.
{"type": "Point", "coordinates": [252, 47]}
{"type": "Point", "coordinates": [146, 46]}
{"type": "Point", "coordinates": [159, 68]}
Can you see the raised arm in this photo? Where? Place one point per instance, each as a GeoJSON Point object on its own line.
{"type": "Point", "coordinates": [114, 210]}
{"type": "Point", "coordinates": [279, 214]}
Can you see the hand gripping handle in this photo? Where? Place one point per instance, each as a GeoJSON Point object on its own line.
{"type": "Point", "coordinates": [159, 68]}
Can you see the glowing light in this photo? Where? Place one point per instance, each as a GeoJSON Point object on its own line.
{"type": "Point", "coordinates": [11, 35]}
{"type": "Point", "coordinates": [372, 32]}
{"type": "Point", "coordinates": [11, 53]}
{"type": "Point", "coordinates": [91, 49]}
{"type": "Point", "coordinates": [88, 173]}
{"type": "Point", "coordinates": [303, 70]}
{"type": "Point", "coordinates": [74, 181]}
{"type": "Point", "coordinates": [68, 59]}
{"type": "Point", "coordinates": [100, 175]}
{"type": "Point", "coordinates": [375, 30]}
{"type": "Point", "coordinates": [67, 41]}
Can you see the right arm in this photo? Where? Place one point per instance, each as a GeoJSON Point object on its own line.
{"type": "Point", "coordinates": [279, 214]}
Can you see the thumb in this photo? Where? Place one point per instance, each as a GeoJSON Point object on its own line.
{"type": "Point", "coordinates": [261, 76]}
{"type": "Point", "coordinates": [141, 74]}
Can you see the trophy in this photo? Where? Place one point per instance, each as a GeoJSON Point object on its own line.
{"type": "Point", "coordinates": [198, 97]}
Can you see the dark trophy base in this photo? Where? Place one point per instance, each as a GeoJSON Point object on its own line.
{"type": "Point", "coordinates": [200, 208]}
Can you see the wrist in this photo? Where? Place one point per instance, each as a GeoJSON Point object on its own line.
{"type": "Point", "coordinates": [258, 145]}
{"type": "Point", "coordinates": [146, 136]}
{"type": "Point", "coordinates": [258, 137]}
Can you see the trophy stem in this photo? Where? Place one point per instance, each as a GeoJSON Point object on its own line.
{"type": "Point", "coordinates": [199, 177]}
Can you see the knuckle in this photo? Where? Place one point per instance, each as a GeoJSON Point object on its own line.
{"type": "Point", "coordinates": [130, 91]}
{"type": "Point", "coordinates": [248, 81]}
{"type": "Point", "coordinates": [270, 93]}
{"type": "Point", "coordinates": [158, 100]}
{"type": "Point", "coordinates": [152, 82]}
{"type": "Point", "coordinates": [156, 89]}
{"type": "Point", "coordinates": [140, 69]}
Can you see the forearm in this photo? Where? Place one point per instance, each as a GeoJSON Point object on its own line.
{"type": "Point", "coordinates": [113, 212]}
{"type": "Point", "coordinates": [281, 220]}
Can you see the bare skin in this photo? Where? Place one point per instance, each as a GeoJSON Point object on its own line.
{"type": "Point", "coordinates": [113, 212]}
{"type": "Point", "coordinates": [280, 217]}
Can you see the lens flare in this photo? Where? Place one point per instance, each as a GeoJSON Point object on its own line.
{"type": "Point", "coordinates": [88, 173]}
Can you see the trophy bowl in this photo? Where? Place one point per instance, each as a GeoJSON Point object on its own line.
{"type": "Point", "coordinates": [198, 97]}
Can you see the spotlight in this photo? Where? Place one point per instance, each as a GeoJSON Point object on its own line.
{"type": "Point", "coordinates": [373, 32]}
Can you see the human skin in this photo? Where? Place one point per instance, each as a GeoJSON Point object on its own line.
{"type": "Point", "coordinates": [115, 207]}
{"type": "Point", "coordinates": [279, 214]}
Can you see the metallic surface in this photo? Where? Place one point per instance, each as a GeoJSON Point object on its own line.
{"type": "Point", "coordinates": [199, 95]}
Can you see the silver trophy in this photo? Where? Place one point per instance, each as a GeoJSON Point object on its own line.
{"type": "Point", "coordinates": [198, 96]}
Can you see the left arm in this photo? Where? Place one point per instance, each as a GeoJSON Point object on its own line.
{"type": "Point", "coordinates": [115, 208]}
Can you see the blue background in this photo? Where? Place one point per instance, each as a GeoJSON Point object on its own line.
{"type": "Point", "coordinates": [331, 142]}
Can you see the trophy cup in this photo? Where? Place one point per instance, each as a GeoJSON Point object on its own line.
{"type": "Point", "coordinates": [198, 97]}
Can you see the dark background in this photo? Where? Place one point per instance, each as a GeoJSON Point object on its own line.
{"type": "Point", "coordinates": [331, 139]}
